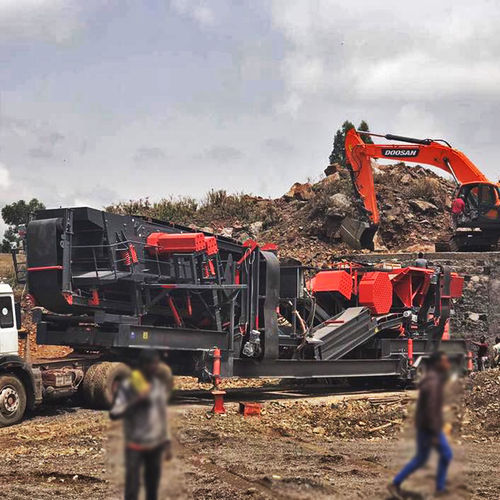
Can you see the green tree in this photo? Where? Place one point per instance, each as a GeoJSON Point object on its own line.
{"type": "Point", "coordinates": [338, 152]}
{"type": "Point", "coordinates": [363, 126]}
{"type": "Point", "coordinates": [15, 215]}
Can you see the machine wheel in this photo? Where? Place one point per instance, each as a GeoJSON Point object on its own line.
{"type": "Point", "coordinates": [106, 381]}
{"type": "Point", "coordinates": [12, 400]}
{"type": "Point", "coordinates": [88, 384]}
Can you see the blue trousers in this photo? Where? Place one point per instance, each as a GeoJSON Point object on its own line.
{"type": "Point", "coordinates": [424, 447]}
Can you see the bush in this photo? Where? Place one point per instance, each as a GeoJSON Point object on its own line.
{"type": "Point", "coordinates": [217, 204]}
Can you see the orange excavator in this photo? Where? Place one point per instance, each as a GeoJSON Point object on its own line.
{"type": "Point", "coordinates": [477, 229]}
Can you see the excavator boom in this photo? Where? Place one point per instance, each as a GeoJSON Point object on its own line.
{"type": "Point", "coordinates": [359, 232]}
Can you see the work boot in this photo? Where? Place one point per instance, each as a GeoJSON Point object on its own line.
{"type": "Point", "coordinates": [395, 491]}
{"type": "Point", "coordinates": [441, 493]}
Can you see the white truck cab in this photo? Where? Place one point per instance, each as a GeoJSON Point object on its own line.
{"type": "Point", "coordinates": [8, 322]}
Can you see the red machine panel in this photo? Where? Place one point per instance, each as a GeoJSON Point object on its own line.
{"type": "Point", "coordinates": [176, 243]}
{"type": "Point", "coordinates": [211, 243]}
{"type": "Point", "coordinates": [332, 281]}
{"type": "Point", "coordinates": [411, 284]}
{"type": "Point", "coordinates": [456, 285]}
{"type": "Point", "coordinates": [375, 292]}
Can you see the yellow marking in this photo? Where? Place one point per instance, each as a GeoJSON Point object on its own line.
{"type": "Point", "coordinates": [145, 335]}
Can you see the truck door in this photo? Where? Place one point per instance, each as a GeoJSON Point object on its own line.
{"type": "Point", "coordinates": [8, 327]}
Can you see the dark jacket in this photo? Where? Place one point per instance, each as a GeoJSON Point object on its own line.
{"type": "Point", "coordinates": [429, 415]}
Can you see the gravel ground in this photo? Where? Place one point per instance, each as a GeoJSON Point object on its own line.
{"type": "Point", "coordinates": [76, 453]}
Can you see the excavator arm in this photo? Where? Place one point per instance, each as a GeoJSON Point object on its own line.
{"type": "Point", "coordinates": [360, 233]}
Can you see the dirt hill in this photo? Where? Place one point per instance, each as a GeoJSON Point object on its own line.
{"type": "Point", "coordinates": [305, 221]}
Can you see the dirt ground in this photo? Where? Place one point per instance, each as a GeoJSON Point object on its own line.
{"type": "Point", "coordinates": [319, 446]}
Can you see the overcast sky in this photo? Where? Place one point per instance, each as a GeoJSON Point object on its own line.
{"type": "Point", "coordinates": [110, 100]}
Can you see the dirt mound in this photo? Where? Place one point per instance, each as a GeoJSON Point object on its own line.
{"type": "Point", "coordinates": [412, 201]}
{"type": "Point", "coordinates": [481, 406]}
{"type": "Point", "coordinates": [305, 221]}
{"type": "Point", "coordinates": [36, 351]}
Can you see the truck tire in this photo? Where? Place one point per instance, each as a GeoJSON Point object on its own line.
{"type": "Point", "coordinates": [12, 400]}
{"type": "Point", "coordinates": [88, 384]}
{"type": "Point", "coordinates": [106, 381]}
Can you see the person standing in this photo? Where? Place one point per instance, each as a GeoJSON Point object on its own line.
{"type": "Point", "coordinates": [429, 424]}
{"type": "Point", "coordinates": [141, 401]}
{"type": "Point", "coordinates": [421, 261]}
{"type": "Point", "coordinates": [496, 352]}
{"type": "Point", "coordinates": [482, 353]}
{"type": "Point", "coordinates": [457, 209]}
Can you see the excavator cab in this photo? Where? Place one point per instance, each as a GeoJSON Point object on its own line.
{"type": "Point", "coordinates": [482, 204]}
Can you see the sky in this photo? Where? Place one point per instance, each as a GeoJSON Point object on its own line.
{"type": "Point", "coordinates": [110, 100]}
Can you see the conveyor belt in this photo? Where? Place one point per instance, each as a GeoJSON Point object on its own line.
{"type": "Point", "coordinates": [341, 334]}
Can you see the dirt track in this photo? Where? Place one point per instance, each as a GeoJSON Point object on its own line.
{"type": "Point", "coordinates": [76, 453]}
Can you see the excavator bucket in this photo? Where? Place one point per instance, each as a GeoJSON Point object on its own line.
{"type": "Point", "coordinates": [358, 234]}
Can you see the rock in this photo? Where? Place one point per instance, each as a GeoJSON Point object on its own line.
{"type": "Point", "coordinates": [300, 191]}
{"type": "Point", "coordinates": [419, 247]}
{"type": "Point", "coordinates": [474, 316]}
{"type": "Point", "coordinates": [378, 243]}
{"type": "Point", "coordinates": [340, 200]}
{"type": "Point", "coordinates": [330, 179]}
{"type": "Point", "coordinates": [406, 179]}
{"type": "Point", "coordinates": [423, 206]}
{"type": "Point", "coordinates": [318, 430]}
{"type": "Point", "coordinates": [256, 227]}
{"type": "Point", "coordinates": [227, 232]}
{"type": "Point", "coordinates": [340, 206]}
{"type": "Point", "coordinates": [333, 168]}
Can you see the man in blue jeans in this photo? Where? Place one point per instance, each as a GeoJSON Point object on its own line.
{"type": "Point", "coordinates": [429, 423]}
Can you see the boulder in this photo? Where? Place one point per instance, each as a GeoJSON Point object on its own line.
{"type": "Point", "coordinates": [340, 205]}
{"type": "Point", "coordinates": [298, 191]}
{"type": "Point", "coordinates": [330, 179]}
{"type": "Point", "coordinates": [406, 179]}
{"type": "Point", "coordinates": [474, 316]}
{"type": "Point", "coordinates": [256, 227]}
{"type": "Point", "coordinates": [333, 168]}
{"type": "Point", "coordinates": [423, 206]}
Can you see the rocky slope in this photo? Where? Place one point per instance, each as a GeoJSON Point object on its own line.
{"type": "Point", "coordinates": [305, 221]}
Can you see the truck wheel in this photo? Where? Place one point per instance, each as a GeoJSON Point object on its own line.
{"type": "Point", "coordinates": [88, 384]}
{"type": "Point", "coordinates": [106, 381]}
{"type": "Point", "coordinates": [12, 400]}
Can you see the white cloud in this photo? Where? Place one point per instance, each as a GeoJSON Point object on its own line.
{"type": "Point", "coordinates": [50, 20]}
{"type": "Point", "coordinates": [374, 50]}
{"type": "Point", "coordinates": [4, 176]}
{"type": "Point", "coordinates": [198, 10]}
